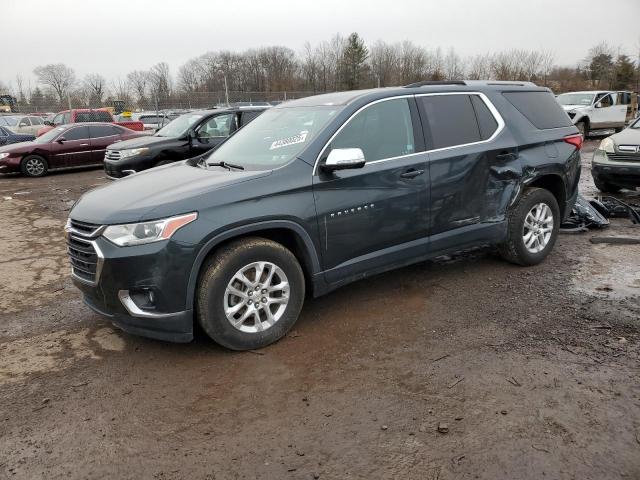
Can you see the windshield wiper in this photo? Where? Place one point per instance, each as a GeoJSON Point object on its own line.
{"type": "Point", "coordinates": [225, 165]}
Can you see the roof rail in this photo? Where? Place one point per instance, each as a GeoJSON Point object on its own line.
{"type": "Point", "coordinates": [435, 82]}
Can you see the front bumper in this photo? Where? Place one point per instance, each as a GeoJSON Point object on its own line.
{"type": "Point", "coordinates": [116, 168]}
{"type": "Point", "coordinates": [621, 174]}
{"type": "Point", "coordinates": [129, 276]}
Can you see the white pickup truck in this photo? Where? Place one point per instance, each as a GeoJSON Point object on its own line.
{"type": "Point", "coordinates": [600, 109]}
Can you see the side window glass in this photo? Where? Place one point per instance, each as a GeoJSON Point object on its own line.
{"type": "Point", "coordinates": [486, 121]}
{"type": "Point", "coordinates": [451, 119]}
{"type": "Point", "coordinates": [383, 130]}
{"type": "Point", "coordinates": [99, 131]}
{"type": "Point", "coordinates": [24, 122]}
{"type": "Point", "coordinates": [78, 133]}
{"type": "Point", "coordinates": [57, 120]}
{"type": "Point", "coordinates": [36, 121]}
{"type": "Point", "coordinates": [66, 118]}
{"type": "Point", "coordinates": [218, 126]}
{"type": "Point", "coordinates": [3, 133]}
{"type": "Point", "coordinates": [248, 116]}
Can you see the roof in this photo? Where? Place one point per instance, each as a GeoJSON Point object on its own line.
{"type": "Point", "coordinates": [347, 97]}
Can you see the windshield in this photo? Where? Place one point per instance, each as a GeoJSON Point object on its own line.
{"type": "Point", "coordinates": [50, 135]}
{"type": "Point", "coordinates": [575, 98]}
{"type": "Point", "coordinates": [275, 137]}
{"type": "Point", "coordinates": [636, 124]}
{"type": "Point", "coordinates": [9, 121]}
{"type": "Point", "coordinates": [180, 126]}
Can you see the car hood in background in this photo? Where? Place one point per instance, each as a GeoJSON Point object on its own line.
{"type": "Point", "coordinates": [144, 141]}
{"type": "Point", "coordinates": [21, 147]}
{"type": "Point", "coordinates": [157, 193]}
{"type": "Point", "coordinates": [629, 136]}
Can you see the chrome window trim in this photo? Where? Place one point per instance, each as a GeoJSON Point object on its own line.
{"type": "Point", "coordinates": [494, 111]}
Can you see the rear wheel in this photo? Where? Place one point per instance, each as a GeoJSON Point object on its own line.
{"type": "Point", "coordinates": [533, 225]}
{"type": "Point", "coordinates": [250, 294]}
{"type": "Point", "coordinates": [605, 187]}
{"type": "Point", "coordinates": [34, 166]}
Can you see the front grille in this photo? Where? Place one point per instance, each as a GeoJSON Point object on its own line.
{"type": "Point", "coordinates": [112, 155]}
{"type": "Point", "coordinates": [624, 157]}
{"type": "Point", "coordinates": [83, 256]}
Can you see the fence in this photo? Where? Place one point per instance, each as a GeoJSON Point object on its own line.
{"type": "Point", "coordinates": [180, 101]}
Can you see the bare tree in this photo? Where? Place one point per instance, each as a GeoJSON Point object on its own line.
{"type": "Point", "coordinates": [453, 68]}
{"type": "Point", "coordinates": [57, 76]}
{"type": "Point", "coordinates": [138, 83]}
{"type": "Point", "coordinates": [479, 67]}
{"type": "Point", "coordinates": [95, 85]}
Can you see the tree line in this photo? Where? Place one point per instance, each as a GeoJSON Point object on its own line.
{"type": "Point", "coordinates": [340, 63]}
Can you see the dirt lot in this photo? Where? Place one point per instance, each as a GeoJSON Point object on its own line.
{"type": "Point", "coordinates": [533, 371]}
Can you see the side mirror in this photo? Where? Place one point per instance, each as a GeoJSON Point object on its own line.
{"type": "Point", "coordinates": [61, 140]}
{"type": "Point", "coordinates": [343, 159]}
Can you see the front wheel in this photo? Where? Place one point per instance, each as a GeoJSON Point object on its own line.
{"type": "Point", "coordinates": [34, 166]}
{"type": "Point", "coordinates": [250, 294]}
{"type": "Point", "coordinates": [533, 225]}
{"type": "Point", "coordinates": [583, 127]}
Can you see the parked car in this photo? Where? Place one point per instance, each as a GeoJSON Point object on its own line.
{"type": "Point", "coordinates": [27, 124]}
{"type": "Point", "coordinates": [7, 136]}
{"type": "Point", "coordinates": [594, 110]}
{"type": "Point", "coordinates": [63, 147]}
{"type": "Point", "coordinates": [320, 192]}
{"type": "Point", "coordinates": [151, 121]}
{"type": "Point", "coordinates": [616, 161]}
{"type": "Point", "coordinates": [83, 115]}
{"type": "Point", "coordinates": [189, 135]}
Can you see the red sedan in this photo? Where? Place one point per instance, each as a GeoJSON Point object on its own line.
{"type": "Point", "coordinates": [63, 147]}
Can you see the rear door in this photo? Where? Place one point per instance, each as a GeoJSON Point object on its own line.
{"type": "Point", "coordinates": [468, 170]}
{"type": "Point", "coordinates": [76, 147]}
{"type": "Point", "coordinates": [608, 114]}
{"type": "Point", "coordinates": [101, 136]}
{"type": "Point", "coordinates": [376, 216]}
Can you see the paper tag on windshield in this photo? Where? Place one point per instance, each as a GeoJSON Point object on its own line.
{"type": "Point", "coordinates": [285, 142]}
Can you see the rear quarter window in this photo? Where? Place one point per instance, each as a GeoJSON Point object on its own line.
{"type": "Point", "coordinates": [540, 108]}
{"type": "Point", "coordinates": [96, 116]}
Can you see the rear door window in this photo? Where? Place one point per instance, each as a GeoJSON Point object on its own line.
{"type": "Point", "coordinates": [382, 130]}
{"type": "Point", "coordinates": [451, 120]}
{"type": "Point", "coordinates": [540, 108]}
{"type": "Point", "coordinates": [99, 131]}
{"type": "Point", "coordinates": [248, 116]}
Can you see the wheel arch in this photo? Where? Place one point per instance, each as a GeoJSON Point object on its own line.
{"type": "Point", "coordinates": [555, 184]}
{"type": "Point", "coordinates": [288, 233]}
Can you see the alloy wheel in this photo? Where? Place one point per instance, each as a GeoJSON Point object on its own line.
{"type": "Point", "coordinates": [34, 167]}
{"type": "Point", "coordinates": [256, 297]}
{"type": "Point", "coordinates": [538, 227]}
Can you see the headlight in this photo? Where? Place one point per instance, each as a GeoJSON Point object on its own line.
{"type": "Point", "coordinates": [607, 145]}
{"type": "Point", "coordinates": [4, 155]}
{"type": "Point", "coordinates": [132, 152]}
{"type": "Point", "coordinates": [147, 232]}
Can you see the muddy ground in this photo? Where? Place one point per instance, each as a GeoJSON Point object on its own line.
{"type": "Point", "coordinates": [534, 372]}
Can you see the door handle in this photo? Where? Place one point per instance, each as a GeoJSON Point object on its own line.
{"type": "Point", "coordinates": [84, 144]}
{"type": "Point", "coordinates": [506, 156]}
{"type": "Point", "coordinates": [411, 173]}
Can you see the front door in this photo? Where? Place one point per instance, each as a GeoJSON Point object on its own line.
{"type": "Point", "coordinates": [375, 216]}
{"type": "Point", "coordinates": [607, 113]}
{"type": "Point", "coordinates": [76, 146]}
{"type": "Point", "coordinates": [212, 132]}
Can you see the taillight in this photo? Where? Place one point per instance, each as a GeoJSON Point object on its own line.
{"type": "Point", "coordinates": [575, 140]}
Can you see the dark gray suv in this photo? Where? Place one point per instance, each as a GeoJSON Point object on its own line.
{"type": "Point", "coordinates": [317, 193]}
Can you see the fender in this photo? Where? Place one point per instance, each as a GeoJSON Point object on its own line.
{"type": "Point", "coordinates": [242, 230]}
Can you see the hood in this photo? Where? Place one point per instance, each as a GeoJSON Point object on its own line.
{"type": "Point", "coordinates": [143, 141]}
{"type": "Point", "coordinates": [629, 136]}
{"type": "Point", "coordinates": [21, 147]}
{"type": "Point", "coordinates": [156, 193]}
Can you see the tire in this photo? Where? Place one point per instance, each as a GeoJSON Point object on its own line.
{"type": "Point", "coordinates": [221, 271]}
{"type": "Point", "coordinates": [514, 249]}
{"type": "Point", "coordinates": [605, 187]}
{"type": "Point", "coordinates": [583, 126]}
{"type": "Point", "coordinates": [34, 166]}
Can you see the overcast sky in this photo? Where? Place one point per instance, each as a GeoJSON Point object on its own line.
{"type": "Point", "coordinates": [113, 37]}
